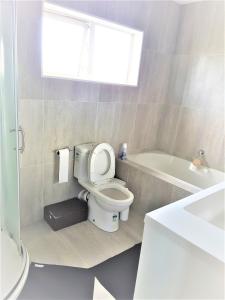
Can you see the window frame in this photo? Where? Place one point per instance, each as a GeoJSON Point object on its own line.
{"type": "Point", "coordinates": [91, 21]}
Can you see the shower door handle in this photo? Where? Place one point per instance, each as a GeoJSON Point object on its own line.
{"type": "Point", "coordinates": [21, 140]}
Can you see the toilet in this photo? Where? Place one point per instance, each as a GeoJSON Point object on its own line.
{"type": "Point", "coordinates": [108, 198]}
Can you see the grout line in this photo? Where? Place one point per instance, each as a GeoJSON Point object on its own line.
{"type": "Point", "coordinates": [131, 136]}
{"type": "Point", "coordinates": [176, 129]}
{"type": "Point", "coordinates": [43, 154]}
{"type": "Point", "coordinates": [113, 122]}
{"type": "Point", "coordinates": [96, 121]}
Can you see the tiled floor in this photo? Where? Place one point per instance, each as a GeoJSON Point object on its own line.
{"type": "Point", "coordinates": [82, 245]}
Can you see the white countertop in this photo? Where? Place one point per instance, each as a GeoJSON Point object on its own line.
{"type": "Point", "coordinates": [192, 228]}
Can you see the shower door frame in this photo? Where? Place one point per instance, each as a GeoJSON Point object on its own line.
{"type": "Point", "coordinates": [10, 209]}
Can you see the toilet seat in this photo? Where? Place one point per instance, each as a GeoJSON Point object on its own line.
{"type": "Point", "coordinates": [120, 196]}
{"type": "Point", "coordinates": [101, 163]}
{"type": "Point", "coordinates": [107, 201]}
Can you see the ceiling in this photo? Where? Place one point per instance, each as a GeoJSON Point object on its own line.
{"type": "Point", "coordinates": [186, 1]}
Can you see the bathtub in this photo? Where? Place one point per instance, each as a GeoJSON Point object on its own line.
{"type": "Point", "coordinates": [175, 170]}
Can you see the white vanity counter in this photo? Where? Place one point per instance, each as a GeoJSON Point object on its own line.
{"type": "Point", "coordinates": [198, 218]}
{"type": "Point", "coordinates": [183, 253]}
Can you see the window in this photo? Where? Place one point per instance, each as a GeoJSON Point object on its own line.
{"type": "Point", "coordinates": [79, 46]}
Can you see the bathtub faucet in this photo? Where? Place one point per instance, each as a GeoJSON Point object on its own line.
{"type": "Point", "coordinates": [201, 153]}
{"type": "Point", "coordinates": [199, 160]}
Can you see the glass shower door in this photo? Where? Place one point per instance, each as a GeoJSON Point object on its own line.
{"type": "Point", "coordinates": [14, 260]}
{"type": "Point", "coordinates": [10, 217]}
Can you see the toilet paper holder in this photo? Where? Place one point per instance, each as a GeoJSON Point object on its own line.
{"type": "Point", "coordinates": [70, 149]}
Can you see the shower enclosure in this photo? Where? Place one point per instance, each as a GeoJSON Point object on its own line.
{"type": "Point", "coordinates": [14, 259]}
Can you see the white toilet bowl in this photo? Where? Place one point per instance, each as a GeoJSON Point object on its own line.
{"type": "Point", "coordinates": [108, 203]}
{"type": "Point", "coordinates": [113, 197]}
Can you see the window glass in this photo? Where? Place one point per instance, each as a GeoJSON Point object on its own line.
{"type": "Point", "coordinates": [111, 54]}
{"type": "Point", "coordinates": [79, 46]}
{"type": "Point", "coordinates": [63, 42]}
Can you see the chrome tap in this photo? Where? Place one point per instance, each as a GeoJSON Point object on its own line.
{"type": "Point", "coordinates": [201, 152]}
{"type": "Point", "coordinates": [199, 160]}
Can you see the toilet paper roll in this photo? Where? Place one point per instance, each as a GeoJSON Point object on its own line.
{"type": "Point", "coordinates": [63, 165]}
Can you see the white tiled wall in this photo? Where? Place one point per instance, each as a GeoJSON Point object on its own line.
{"type": "Point", "coordinates": [179, 85]}
{"type": "Point", "coordinates": [55, 113]}
{"type": "Point", "coordinates": [194, 118]}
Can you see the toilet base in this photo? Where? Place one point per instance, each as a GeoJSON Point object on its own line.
{"type": "Point", "coordinates": [105, 220]}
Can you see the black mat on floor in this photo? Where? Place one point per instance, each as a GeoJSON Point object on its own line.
{"type": "Point", "coordinates": [117, 275]}
{"type": "Point", "coordinates": [58, 282]}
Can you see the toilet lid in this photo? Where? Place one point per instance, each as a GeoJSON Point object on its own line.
{"type": "Point", "coordinates": [101, 163]}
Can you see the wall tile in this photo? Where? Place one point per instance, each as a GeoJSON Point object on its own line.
{"type": "Point", "coordinates": [118, 93]}
{"type": "Point", "coordinates": [56, 127]}
{"type": "Point", "coordinates": [197, 83]}
{"type": "Point", "coordinates": [184, 131]}
{"type": "Point", "coordinates": [140, 127]}
{"type": "Point", "coordinates": [31, 118]}
{"type": "Point", "coordinates": [31, 194]}
{"type": "Point", "coordinates": [162, 76]}
{"type": "Point", "coordinates": [211, 139]}
{"type": "Point", "coordinates": [163, 18]}
{"type": "Point", "coordinates": [177, 81]}
{"type": "Point", "coordinates": [83, 116]}
{"type": "Point", "coordinates": [154, 77]}
{"type": "Point", "coordinates": [168, 127]}
{"type": "Point", "coordinates": [57, 89]}
{"type": "Point", "coordinates": [153, 124]}
{"type": "Point", "coordinates": [95, 8]}
{"type": "Point", "coordinates": [105, 122]}
{"type": "Point", "coordinates": [204, 82]}
{"type": "Point", "coordinates": [216, 42]}
{"type": "Point", "coordinates": [68, 123]}
{"type": "Point", "coordinates": [123, 124]}
{"type": "Point", "coordinates": [55, 192]}
{"type": "Point", "coordinates": [201, 29]}
{"type": "Point", "coordinates": [85, 91]}
{"type": "Point", "coordinates": [189, 133]}
{"type": "Point", "coordinates": [129, 15]}
{"type": "Point", "coordinates": [155, 26]}
{"type": "Point", "coordinates": [168, 37]}
{"type": "Point", "coordinates": [66, 89]}
{"type": "Point", "coordinates": [109, 93]}
{"type": "Point", "coordinates": [147, 71]}
{"type": "Point", "coordinates": [146, 126]}
{"type": "Point", "coordinates": [115, 11]}
{"type": "Point", "coordinates": [29, 49]}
